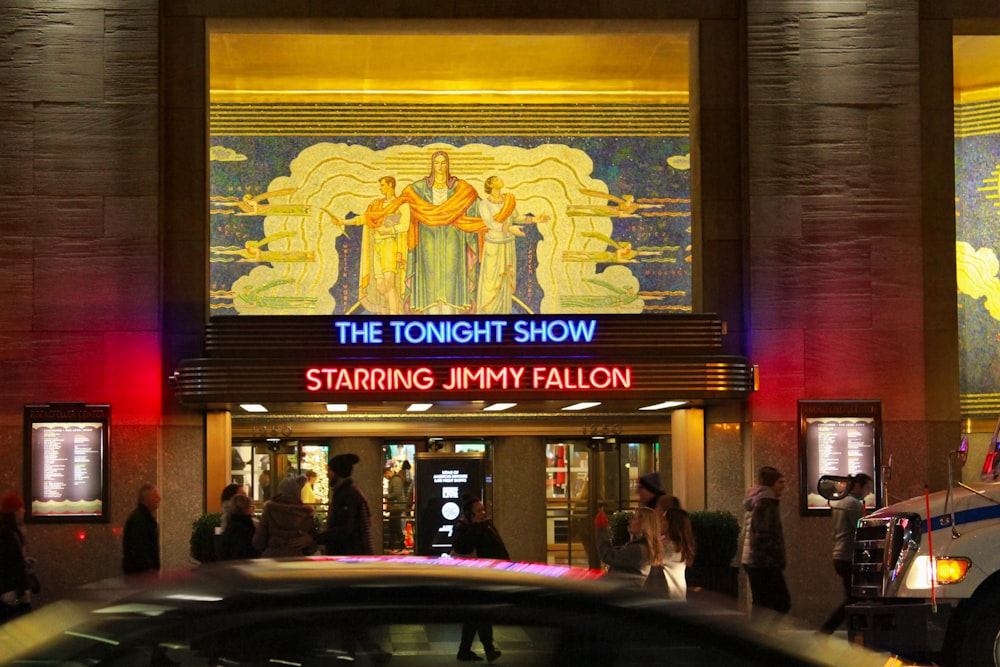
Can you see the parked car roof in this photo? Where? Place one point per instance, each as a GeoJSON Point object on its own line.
{"type": "Point", "coordinates": [323, 610]}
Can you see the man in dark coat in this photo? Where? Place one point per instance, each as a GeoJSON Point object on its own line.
{"type": "Point", "coordinates": [141, 536]}
{"type": "Point", "coordinates": [764, 556]}
{"type": "Point", "coordinates": [15, 586]}
{"type": "Point", "coordinates": [349, 520]}
{"type": "Point", "coordinates": [475, 535]}
{"type": "Point", "coordinates": [349, 533]}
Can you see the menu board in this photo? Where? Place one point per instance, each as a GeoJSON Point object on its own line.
{"type": "Point", "coordinates": [66, 457]}
{"type": "Point", "coordinates": [441, 479]}
{"type": "Point", "coordinates": [837, 438]}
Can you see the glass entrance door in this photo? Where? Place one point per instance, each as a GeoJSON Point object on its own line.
{"type": "Point", "coordinates": [260, 465]}
{"type": "Point", "coordinates": [582, 477]}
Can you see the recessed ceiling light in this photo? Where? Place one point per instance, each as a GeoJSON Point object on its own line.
{"type": "Point", "coordinates": [496, 407]}
{"type": "Point", "coordinates": [420, 407]}
{"type": "Point", "coordinates": [582, 406]}
{"type": "Point", "coordinates": [664, 405]}
{"type": "Point", "coordinates": [336, 407]}
{"type": "Point", "coordinates": [253, 407]}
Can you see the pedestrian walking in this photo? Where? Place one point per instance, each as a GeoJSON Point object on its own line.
{"type": "Point", "coordinates": [846, 513]}
{"type": "Point", "coordinates": [476, 537]}
{"type": "Point", "coordinates": [141, 535]}
{"type": "Point", "coordinates": [15, 584]}
{"type": "Point", "coordinates": [764, 547]}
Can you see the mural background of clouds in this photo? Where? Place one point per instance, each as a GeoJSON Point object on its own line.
{"type": "Point", "coordinates": [223, 154]}
{"type": "Point", "coordinates": [338, 175]}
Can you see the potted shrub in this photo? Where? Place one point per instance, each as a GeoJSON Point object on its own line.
{"type": "Point", "coordinates": [618, 524]}
{"type": "Point", "coordinates": [716, 535]}
{"type": "Point", "coordinates": [203, 537]}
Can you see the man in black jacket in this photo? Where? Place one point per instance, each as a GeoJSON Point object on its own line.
{"type": "Point", "coordinates": [141, 536]}
{"type": "Point", "coordinates": [349, 519]}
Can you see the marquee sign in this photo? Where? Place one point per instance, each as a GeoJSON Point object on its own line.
{"type": "Point", "coordinates": [305, 359]}
{"type": "Point", "coordinates": [464, 378]}
{"type": "Point", "coordinates": [454, 331]}
{"type": "Point", "coordinates": [349, 377]}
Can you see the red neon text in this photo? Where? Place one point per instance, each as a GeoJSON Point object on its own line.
{"type": "Point", "coordinates": [369, 379]}
{"type": "Point", "coordinates": [465, 378]}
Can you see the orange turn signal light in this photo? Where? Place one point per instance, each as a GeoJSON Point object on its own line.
{"type": "Point", "coordinates": [952, 570]}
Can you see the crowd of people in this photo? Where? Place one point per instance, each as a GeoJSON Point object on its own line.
{"type": "Point", "coordinates": [660, 544]}
{"type": "Point", "coordinates": [659, 548]}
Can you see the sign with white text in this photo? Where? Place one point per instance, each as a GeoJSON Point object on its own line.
{"type": "Point", "coordinates": [463, 378]}
{"type": "Point", "coordinates": [441, 480]}
{"type": "Point", "coordinates": [464, 331]}
{"type": "Point", "coordinates": [838, 438]}
{"type": "Point", "coordinates": [67, 460]}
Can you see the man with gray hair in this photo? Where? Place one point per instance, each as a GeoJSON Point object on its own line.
{"type": "Point", "coordinates": [141, 535]}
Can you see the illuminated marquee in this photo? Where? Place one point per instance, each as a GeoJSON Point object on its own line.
{"type": "Point", "coordinates": [454, 331]}
{"type": "Point", "coordinates": [464, 378]}
{"type": "Point", "coordinates": [436, 377]}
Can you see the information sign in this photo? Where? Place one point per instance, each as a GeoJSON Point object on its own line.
{"type": "Point", "coordinates": [838, 438]}
{"type": "Point", "coordinates": [441, 480]}
{"type": "Point", "coordinates": [66, 462]}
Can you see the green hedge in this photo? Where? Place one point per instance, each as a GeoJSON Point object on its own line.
{"type": "Point", "coordinates": [716, 534]}
{"type": "Point", "coordinates": [203, 537]}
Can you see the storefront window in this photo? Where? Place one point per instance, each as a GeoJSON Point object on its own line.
{"type": "Point", "coordinates": [260, 467]}
{"type": "Point", "coordinates": [398, 523]}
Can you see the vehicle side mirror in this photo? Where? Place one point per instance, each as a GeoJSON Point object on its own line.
{"type": "Point", "coordinates": [833, 487]}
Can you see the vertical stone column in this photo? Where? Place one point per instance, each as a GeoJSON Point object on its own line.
{"type": "Point", "coordinates": [687, 430]}
{"type": "Point", "coordinates": [836, 240]}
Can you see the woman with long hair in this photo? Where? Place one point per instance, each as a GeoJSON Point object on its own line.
{"type": "Point", "coordinates": [678, 550]}
{"type": "Point", "coordinates": [632, 560]}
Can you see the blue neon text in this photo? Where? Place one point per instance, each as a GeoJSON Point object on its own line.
{"type": "Point", "coordinates": [454, 331]}
{"type": "Point", "coordinates": [554, 331]}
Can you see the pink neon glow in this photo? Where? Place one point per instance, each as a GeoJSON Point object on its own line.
{"type": "Point", "coordinates": [543, 569]}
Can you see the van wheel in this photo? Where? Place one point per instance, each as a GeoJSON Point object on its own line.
{"type": "Point", "coordinates": [980, 641]}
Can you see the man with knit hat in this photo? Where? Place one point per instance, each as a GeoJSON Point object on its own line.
{"type": "Point", "coordinates": [649, 489]}
{"type": "Point", "coordinates": [349, 533]}
{"type": "Point", "coordinates": [349, 519]}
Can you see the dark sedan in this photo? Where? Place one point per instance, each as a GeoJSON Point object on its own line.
{"type": "Point", "coordinates": [401, 611]}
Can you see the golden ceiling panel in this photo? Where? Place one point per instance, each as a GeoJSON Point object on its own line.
{"type": "Point", "coordinates": [976, 68]}
{"type": "Point", "coordinates": [457, 62]}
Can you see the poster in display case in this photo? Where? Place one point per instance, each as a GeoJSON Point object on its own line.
{"type": "Point", "coordinates": [841, 437]}
{"type": "Point", "coordinates": [441, 479]}
{"type": "Point", "coordinates": [66, 462]}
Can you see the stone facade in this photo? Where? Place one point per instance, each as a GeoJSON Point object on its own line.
{"type": "Point", "coordinates": [826, 239]}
